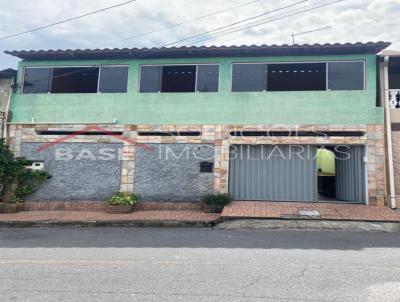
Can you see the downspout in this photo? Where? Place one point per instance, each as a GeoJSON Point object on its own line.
{"type": "Point", "coordinates": [7, 109]}
{"type": "Point", "coordinates": [392, 191]}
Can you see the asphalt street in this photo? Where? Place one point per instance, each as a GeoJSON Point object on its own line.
{"type": "Point", "coordinates": [143, 264]}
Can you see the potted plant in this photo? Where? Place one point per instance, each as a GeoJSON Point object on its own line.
{"type": "Point", "coordinates": [121, 203]}
{"type": "Point", "coordinates": [16, 180]}
{"type": "Point", "coordinates": [214, 203]}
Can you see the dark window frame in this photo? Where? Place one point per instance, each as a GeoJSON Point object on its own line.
{"type": "Point", "coordinates": [305, 62]}
{"type": "Point", "coordinates": [264, 80]}
{"type": "Point", "coordinates": [61, 83]}
{"type": "Point", "coordinates": [49, 80]}
{"type": "Point", "coordinates": [180, 64]}
{"type": "Point", "coordinates": [52, 67]}
{"type": "Point", "coordinates": [328, 81]}
{"type": "Point", "coordinates": [117, 66]}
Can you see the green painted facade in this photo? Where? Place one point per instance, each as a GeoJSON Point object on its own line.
{"type": "Point", "coordinates": [224, 107]}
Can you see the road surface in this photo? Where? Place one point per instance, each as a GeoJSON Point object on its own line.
{"type": "Point", "coordinates": [141, 264]}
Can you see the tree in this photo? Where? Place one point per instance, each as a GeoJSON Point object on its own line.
{"type": "Point", "coordinates": [17, 181]}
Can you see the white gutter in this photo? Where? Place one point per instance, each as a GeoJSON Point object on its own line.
{"type": "Point", "coordinates": [392, 191]}
{"type": "Point", "coordinates": [7, 109]}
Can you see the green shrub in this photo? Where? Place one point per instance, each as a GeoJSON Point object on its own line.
{"type": "Point", "coordinates": [219, 199]}
{"type": "Point", "coordinates": [17, 181]}
{"type": "Point", "coordinates": [123, 199]}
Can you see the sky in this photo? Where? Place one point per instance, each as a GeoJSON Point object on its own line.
{"type": "Point", "coordinates": [349, 21]}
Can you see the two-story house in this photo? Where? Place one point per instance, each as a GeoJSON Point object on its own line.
{"type": "Point", "coordinates": [278, 123]}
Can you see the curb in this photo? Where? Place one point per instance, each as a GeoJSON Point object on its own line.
{"type": "Point", "coordinates": [308, 224]}
{"type": "Point", "coordinates": [222, 223]}
{"type": "Point", "coordinates": [110, 223]}
{"type": "Point", "coordinates": [303, 218]}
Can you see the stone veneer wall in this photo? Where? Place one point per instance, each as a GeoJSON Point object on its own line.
{"type": "Point", "coordinates": [171, 172]}
{"type": "Point", "coordinates": [89, 178]}
{"type": "Point", "coordinates": [219, 135]}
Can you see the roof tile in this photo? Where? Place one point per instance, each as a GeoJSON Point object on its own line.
{"type": "Point", "coordinates": [203, 51]}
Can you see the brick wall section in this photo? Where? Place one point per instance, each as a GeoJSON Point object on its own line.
{"type": "Point", "coordinates": [219, 135]}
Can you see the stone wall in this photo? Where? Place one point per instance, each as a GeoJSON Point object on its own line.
{"type": "Point", "coordinates": [171, 172]}
{"type": "Point", "coordinates": [219, 136]}
{"type": "Point", "coordinates": [79, 171]}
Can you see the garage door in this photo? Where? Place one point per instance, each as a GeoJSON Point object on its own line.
{"type": "Point", "coordinates": [350, 174]}
{"type": "Point", "coordinates": [278, 173]}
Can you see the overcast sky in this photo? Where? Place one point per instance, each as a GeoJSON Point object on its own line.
{"type": "Point", "coordinates": [351, 21]}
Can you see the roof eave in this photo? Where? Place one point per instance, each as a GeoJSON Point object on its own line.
{"type": "Point", "coordinates": [203, 51]}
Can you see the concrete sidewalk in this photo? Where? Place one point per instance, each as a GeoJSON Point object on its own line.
{"type": "Point", "coordinates": [173, 216]}
{"type": "Point", "coordinates": [154, 218]}
{"type": "Point", "coordinates": [320, 211]}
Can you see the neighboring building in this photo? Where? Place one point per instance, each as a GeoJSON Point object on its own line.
{"type": "Point", "coordinates": [245, 120]}
{"type": "Point", "coordinates": [390, 93]}
{"type": "Point", "coordinates": [6, 78]}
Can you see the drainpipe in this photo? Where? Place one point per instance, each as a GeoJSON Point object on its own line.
{"type": "Point", "coordinates": [7, 109]}
{"type": "Point", "coordinates": [392, 191]}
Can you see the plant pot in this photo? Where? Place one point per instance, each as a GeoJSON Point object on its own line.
{"type": "Point", "coordinates": [9, 208]}
{"type": "Point", "coordinates": [213, 208]}
{"type": "Point", "coordinates": [116, 209]}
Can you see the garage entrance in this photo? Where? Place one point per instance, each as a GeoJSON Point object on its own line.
{"type": "Point", "coordinates": [293, 173]}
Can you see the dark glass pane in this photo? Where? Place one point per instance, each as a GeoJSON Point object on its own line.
{"type": "Point", "coordinates": [113, 79]}
{"type": "Point", "coordinates": [150, 78]}
{"type": "Point", "coordinates": [394, 76]}
{"type": "Point", "coordinates": [207, 78]}
{"type": "Point", "coordinates": [37, 80]}
{"type": "Point", "coordinates": [394, 73]}
{"type": "Point", "coordinates": [346, 75]}
{"type": "Point", "coordinates": [178, 78]}
{"type": "Point", "coordinates": [297, 77]}
{"type": "Point", "coordinates": [249, 77]}
{"type": "Point", "coordinates": [75, 80]}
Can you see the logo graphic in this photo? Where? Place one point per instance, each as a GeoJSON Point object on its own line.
{"type": "Point", "coordinates": [93, 129]}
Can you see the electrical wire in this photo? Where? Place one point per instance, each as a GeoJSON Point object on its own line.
{"type": "Point", "coordinates": [315, 6]}
{"type": "Point", "coordinates": [238, 22]}
{"type": "Point", "coordinates": [166, 45]}
{"type": "Point", "coordinates": [258, 23]}
{"type": "Point", "coordinates": [66, 20]}
{"type": "Point", "coordinates": [181, 23]}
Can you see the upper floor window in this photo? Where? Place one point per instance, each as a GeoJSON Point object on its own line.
{"type": "Point", "coordinates": [346, 76]}
{"type": "Point", "coordinates": [104, 79]}
{"type": "Point", "coordinates": [249, 77]}
{"type": "Point", "coordinates": [179, 78]}
{"type": "Point", "coordinates": [298, 76]}
{"type": "Point", "coordinates": [394, 73]}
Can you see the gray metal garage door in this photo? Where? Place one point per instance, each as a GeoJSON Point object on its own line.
{"type": "Point", "coordinates": [350, 174]}
{"type": "Point", "coordinates": [278, 173]}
